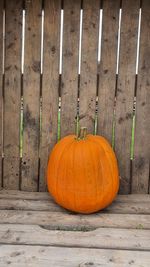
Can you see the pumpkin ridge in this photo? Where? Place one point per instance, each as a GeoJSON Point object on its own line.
{"type": "Point", "coordinates": [113, 156]}
{"type": "Point", "coordinates": [84, 164]}
{"type": "Point", "coordinates": [75, 200]}
{"type": "Point", "coordinates": [58, 195]}
{"type": "Point", "coordinates": [92, 140]}
{"type": "Point", "coordinates": [110, 168]}
{"type": "Point", "coordinates": [98, 147]}
{"type": "Point", "coordinates": [68, 147]}
{"type": "Point", "coordinates": [96, 177]}
{"type": "Point", "coordinates": [89, 160]}
{"type": "Point", "coordinates": [66, 175]}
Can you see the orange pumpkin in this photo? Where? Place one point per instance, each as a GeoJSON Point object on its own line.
{"type": "Point", "coordinates": [82, 173]}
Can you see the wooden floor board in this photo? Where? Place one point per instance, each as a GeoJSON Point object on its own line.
{"type": "Point", "coordinates": [59, 220]}
{"type": "Point", "coordinates": [50, 205]}
{"type": "Point", "coordinates": [99, 238]}
{"type": "Point", "coordinates": [29, 256]}
{"type": "Point", "coordinates": [13, 194]}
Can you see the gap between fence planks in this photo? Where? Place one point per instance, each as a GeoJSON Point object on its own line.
{"type": "Point", "coordinates": [88, 77]}
{"type": "Point", "coordinates": [65, 257]}
{"type": "Point", "coordinates": [52, 14]}
{"type": "Point", "coordinates": [31, 96]}
{"type": "Point", "coordinates": [125, 89]}
{"type": "Point", "coordinates": [99, 238]}
{"type": "Point", "coordinates": [12, 94]}
{"type": "Point", "coordinates": [140, 177]}
{"type": "Point", "coordinates": [70, 58]}
{"type": "Point", "coordinates": [1, 89]}
{"type": "Point", "coordinates": [108, 63]}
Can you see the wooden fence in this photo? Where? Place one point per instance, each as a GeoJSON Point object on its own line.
{"type": "Point", "coordinates": [101, 77]}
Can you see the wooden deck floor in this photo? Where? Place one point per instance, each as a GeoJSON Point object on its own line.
{"type": "Point", "coordinates": [35, 232]}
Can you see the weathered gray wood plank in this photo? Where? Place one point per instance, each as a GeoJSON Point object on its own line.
{"type": "Point", "coordinates": [50, 84]}
{"type": "Point", "coordinates": [89, 63]}
{"type": "Point", "coordinates": [65, 221]}
{"type": "Point", "coordinates": [69, 85]}
{"type": "Point", "coordinates": [107, 80]}
{"type": "Point", "coordinates": [12, 94]}
{"type": "Point", "coordinates": [140, 178]}
{"type": "Point", "coordinates": [125, 90]}
{"type": "Point", "coordinates": [29, 205]}
{"type": "Point", "coordinates": [14, 194]}
{"type": "Point", "coordinates": [24, 195]}
{"type": "Point", "coordinates": [100, 238]}
{"type": "Point", "coordinates": [50, 205]}
{"type": "Point", "coordinates": [1, 87]}
{"type": "Point", "coordinates": [19, 255]}
{"type": "Point", "coordinates": [31, 96]}
{"type": "Point", "coordinates": [131, 208]}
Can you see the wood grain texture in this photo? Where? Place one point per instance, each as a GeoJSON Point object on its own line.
{"type": "Point", "coordinates": [64, 221]}
{"type": "Point", "coordinates": [12, 94]}
{"type": "Point", "coordinates": [50, 84]}
{"type": "Point", "coordinates": [50, 205]}
{"type": "Point", "coordinates": [88, 80]}
{"type": "Point", "coordinates": [1, 88]}
{"type": "Point", "coordinates": [31, 96]}
{"type": "Point", "coordinates": [14, 194]}
{"type": "Point", "coordinates": [26, 255]}
{"type": "Point", "coordinates": [107, 80]}
{"type": "Point", "coordinates": [140, 178]}
{"type": "Point", "coordinates": [70, 58]}
{"type": "Point", "coordinates": [125, 90]}
{"type": "Point", "coordinates": [99, 238]}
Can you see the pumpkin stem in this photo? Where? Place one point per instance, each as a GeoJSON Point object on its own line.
{"type": "Point", "coordinates": [82, 133]}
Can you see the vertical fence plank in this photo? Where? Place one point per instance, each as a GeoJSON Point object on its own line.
{"type": "Point", "coordinates": [52, 11]}
{"type": "Point", "coordinates": [125, 90]}
{"type": "Point", "coordinates": [12, 92]}
{"type": "Point", "coordinates": [107, 80]}
{"type": "Point", "coordinates": [1, 85]}
{"type": "Point", "coordinates": [31, 95]}
{"type": "Point", "coordinates": [140, 178]}
{"type": "Point", "coordinates": [91, 10]}
{"type": "Point", "coordinates": [69, 88]}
